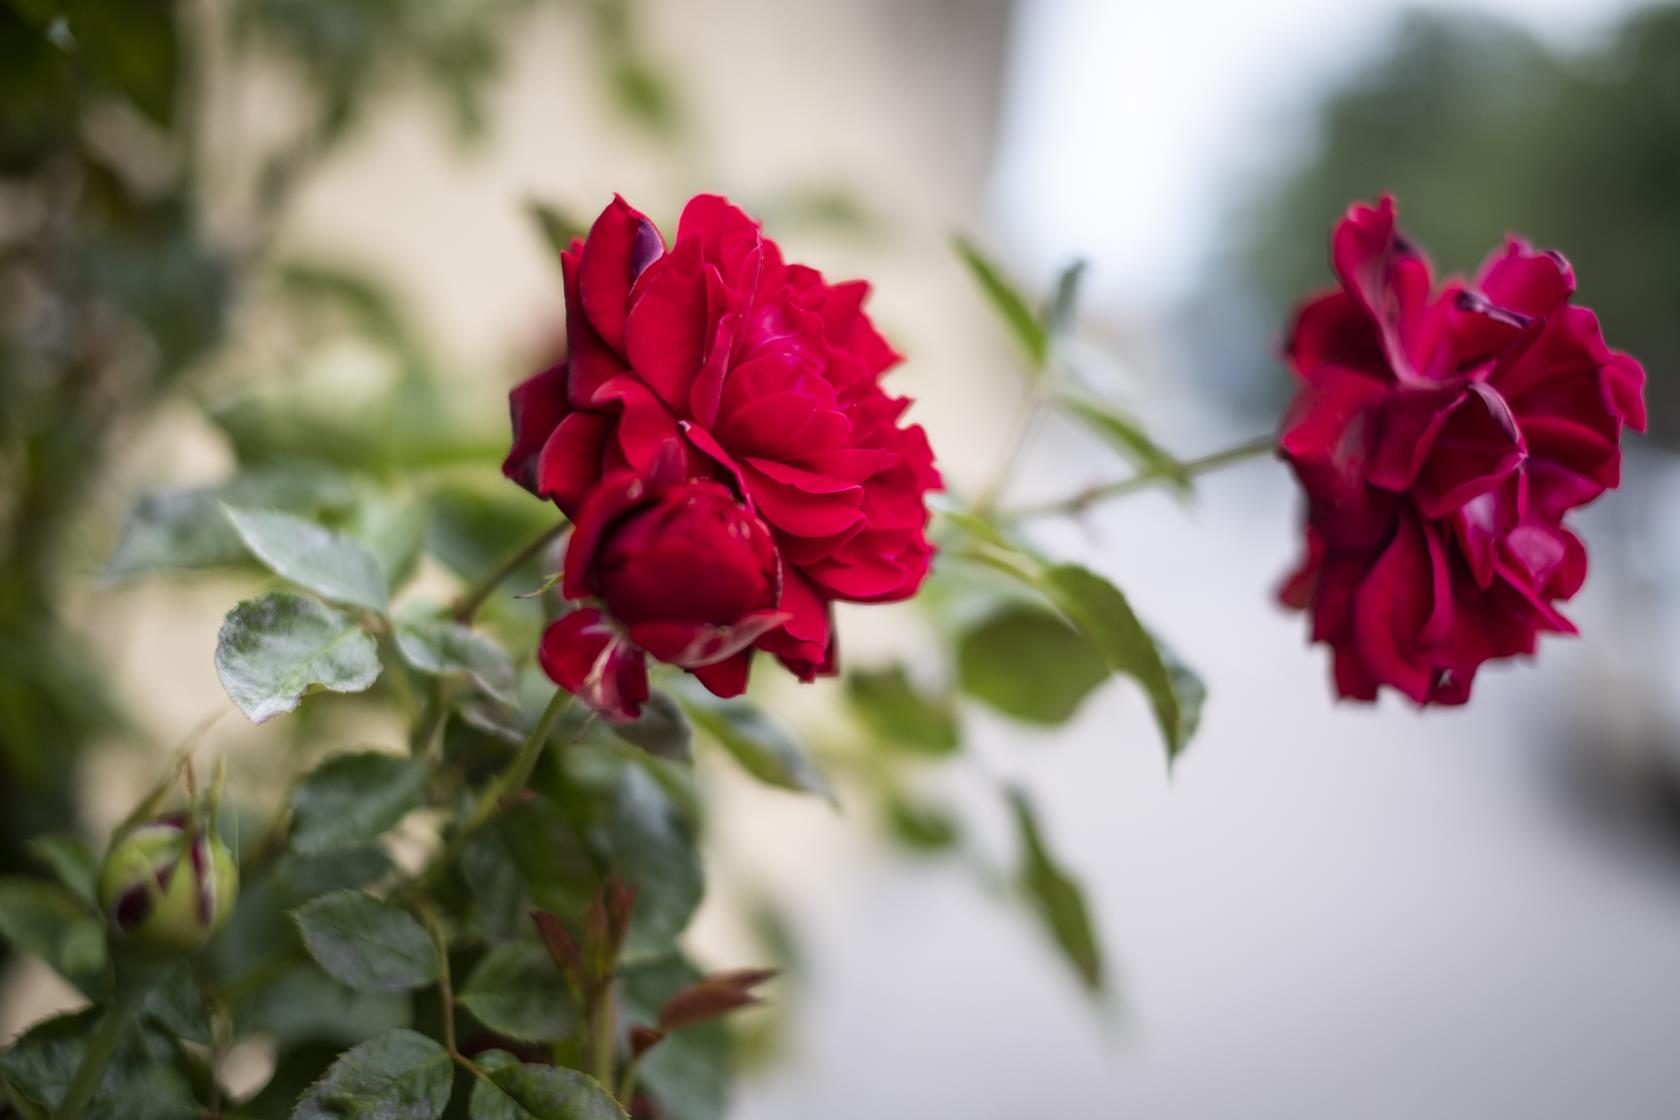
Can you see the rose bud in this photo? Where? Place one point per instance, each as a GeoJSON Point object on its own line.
{"type": "Point", "coordinates": [168, 885]}
{"type": "Point", "coordinates": [684, 570]}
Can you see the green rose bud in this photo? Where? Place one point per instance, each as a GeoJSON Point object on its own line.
{"type": "Point", "coordinates": [168, 885]}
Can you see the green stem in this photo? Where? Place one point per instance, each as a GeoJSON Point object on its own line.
{"type": "Point", "coordinates": [627, 1082]}
{"type": "Point", "coordinates": [446, 989]}
{"type": "Point", "coordinates": [604, 1031]}
{"type": "Point", "coordinates": [1014, 443]}
{"type": "Point", "coordinates": [510, 782]}
{"type": "Point", "coordinates": [125, 1004]}
{"type": "Point", "coordinates": [1078, 503]}
{"type": "Point", "coordinates": [468, 604]}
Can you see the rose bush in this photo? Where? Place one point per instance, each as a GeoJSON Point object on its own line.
{"type": "Point", "coordinates": [1441, 437]}
{"type": "Point", "coordinates": [723, 363]}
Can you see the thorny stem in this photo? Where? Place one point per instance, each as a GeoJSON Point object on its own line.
{"type": "Point", "coordinates": [511, 781]}
{"type": "Point", "coordinates": [446, 990]}
{"type": "Point", "coordinates": [1078, 503]}
{"type": "Point", "coordinates": [468, 604]}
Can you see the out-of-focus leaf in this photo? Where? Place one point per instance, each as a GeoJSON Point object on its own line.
{"type": "Point", "coordinates": [663, 730]}
{"type": "Point", "coordinates": [558, 228]}
{"type": "Point", "coordinates": [52, 923]}
{"type": "Point", "coordinates": [517, 991]}
{"type": "Point", "coordinates": [393, 530]}
{"type": "Point", "coordinates": [1011, 306]}
{"type": "Point", "coordinates": [901, 716]}
{"type": "Point", "coordinates": [650, 838]}
{"type": "Point", "coordinates": [688, 1072]}
{"type": "Point", "coordinates": [176, 1003]}
{"type": "Point", "coordinates": [1056, 896]}
{"type": "Point", "coordinates": [400, 1075]}
{"type": "Point", "coordinates": [273, 650]}
{"type": "Point", "coordinates": [763, 747]}
{"type": "Point", "coordinates": [1189, 689]}
{"type": "Point", "coordinates": [920, 825]}
{"type": "Point", "coordinates": [144, 1080]}
{"type": "Point", "coordinates": [1105, 618]}
{"type": "Point", "coordinates": [367, 944]}
{"type": "Point", "coordinates": [132, 44]}
{"type": "Point", "coordinates": [186, 529]}
{"type": "Point", "coordinates": [1064, 300]}
{"type": "Point", "coordinates": [304, 1004]}
{"type": "Point", "coordinates": [352, 799]}
{"type": "Point", "coordinates": [1028, 663]}
{"type": "Point", "coordinates": [1126, 436]}
{"type": "Point", "coordinates": [475, 527]}
{"type": "Point", "coordinates": [712, 997]}
{"type": "Point", "coordinates": [329, 563]}
{"type": "Point", "coordinates": [444, 648]}
{"type": "Point", "coordinates": [75, 864]}
{"type": "Point", "coordinates": [515, 1090]}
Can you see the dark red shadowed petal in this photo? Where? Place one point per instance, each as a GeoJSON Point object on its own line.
{"type": "Point", "coordinates": [1391, 608]}
{"type": "Point", "coordinates": [621, 244]}
{"type": "Point", "coordinates": [1333, 329]}
{"type": "Point", "coordinates": [590, 361]}
{"type": "Point", "coordinates": [691, 645]}
{"type": "Point", "coordinates": [536, 407]}
{"type": "Point", "coordinates": [1477, 448]}
{"type": "Point", "coordinates": [1389, 278]}
{"type": "Point", "coordinates": [669, 324]}
{"type": "Point", "coordinates": [583, 654]}
{"type": "Point", "coordinates": [726, 679]}
{"type": "Point", "coordinates": [571, 459]}
{"type": "Point", "coordinates": [805, 642]}
{"type": "Point", "coordinates": [615, 496]}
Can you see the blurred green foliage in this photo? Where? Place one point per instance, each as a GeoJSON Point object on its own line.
{"type": "Point", "coordinates": [1480, 130]}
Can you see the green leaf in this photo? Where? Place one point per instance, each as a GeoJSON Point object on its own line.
{"type": "Point", "coordinates": [517, 991]}
{"type": "Point", "coordinates": [331, 564]}
{"type": "Point", "coordinates": [273, 650]}
{"type": "Point", "coordinates": [1064, 301]}
{"type": "Point", "coordinates": [650, 838]}
{"type": "Point", "coordinates": [763, 747]}
{"type": "Point", "coordinates": [901, 716]}
{"type": "Point", "coordinates": [920, 825]}
{"type": "Point", "coordinates": [1030, 664]}
{"type": "Point", "coordinates": [367, 944]}
{"type": "Point", "coordinates": [352, 799]}
{"type": "Point", "coordinates": [186, 528]}
{"type": "Point", "coordinates": [1189, 689]}
{"type": "Point", "coordinates": [688, 1072]}
{"type": "Point", "coordinates": [52, 923]}
{"type": "Point", "coordinates": [662, 730]}
{"type": "Point", "coordinates": [144, 1080]}
{"type": "Point", "coordinates": [1012, 307]}
{"type": "Point", "coordinates": [1127, 437]}
{"type": "Point", "coordinates": [133, 45]}
{"type": "Point", "coordinates": [517, 1091]}
{"type": "Point", "coordinates": [393, 530]}
{"type": "Point", "coordinates": [75, 864]}
{"type": "Point", "coordinates": [304, 1004]}
{"type": "Point", "coordinates": [558, 229]}
{"type": "Point", "coordinates": [1056, 896]}
{"type": "Point", "coordinates": [1103, 615]}
{"type": "Point", "coordinates": [400, 1075]}
{"type": "Point", "coordinates": [443, 648]}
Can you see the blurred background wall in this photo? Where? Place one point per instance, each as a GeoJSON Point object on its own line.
{"type": "Point", "coordinates": [1325, 911]}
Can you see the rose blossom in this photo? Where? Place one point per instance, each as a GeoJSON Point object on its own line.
{"type": "Point", "coordinates": [685, 572]}
{"type": "Point", "coordinates": [755, 373]}
{"type": "Point", "coordinates": [1441, 437]}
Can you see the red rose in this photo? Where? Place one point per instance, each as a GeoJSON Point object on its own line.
{"type": "Point", "coordinates": [760, 375]}
{"type": "Point", "coordinates": [686, 572]}
{"type": "Point", "coordinates": [1440, 438]}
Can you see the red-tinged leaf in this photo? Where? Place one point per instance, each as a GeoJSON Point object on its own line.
{"type": "Point", "coordinates": [606, 923]}
{"type": "Point", "coordinates": [717, 994]}
{"type": "Point", "coordinates": [643, 1039]}
{"type": "Point", "coordinates": [561, 945]}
